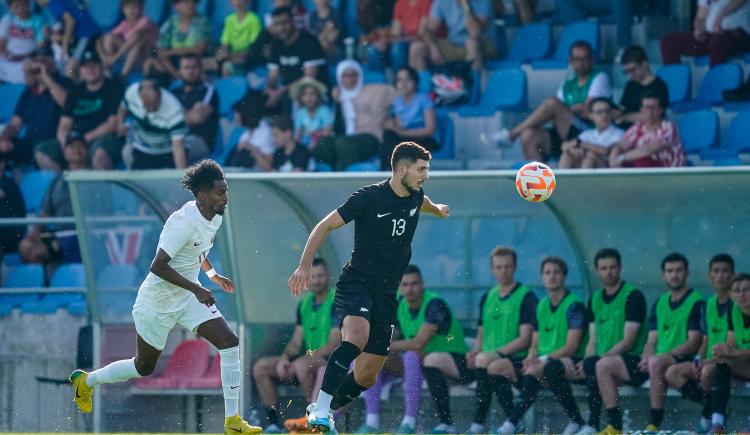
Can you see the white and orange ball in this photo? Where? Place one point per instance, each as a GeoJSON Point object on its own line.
{"type": "Point", "coordinates": [535, 182]}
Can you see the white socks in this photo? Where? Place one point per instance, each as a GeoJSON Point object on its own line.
{"type": "Point", "coordinates": [118, 371]}
{"type": "Point", "coordinates": [373, 420]}
{"type": "Point", "coordinates": [323, 405]}
{"type": "Point", "coordinates": [230, 380]}
{"type": "Point", "coordinates": [717, 419]}
{"type": "Point", "coordinates": [409, 421]}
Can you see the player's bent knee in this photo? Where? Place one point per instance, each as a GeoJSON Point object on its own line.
{"type": "Point", "coordinates": [144, 368]}
{"type": "Point", "coordinates": [589, 366]}
{"type": "Point", "coordinates": [554, 369]}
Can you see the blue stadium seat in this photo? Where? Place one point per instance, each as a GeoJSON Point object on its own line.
{"type": "Point", "coordinates": [323, 167]}
{"type": "Point", "coordinates": [531, 42]}
{"type": "Point", "coordinates": [38, 307]}
{"type": "Point", "coordinates": [5, 309]}
{"type": "Point", "coordinates": [69, 275]}
{"type": "Point", "coordinates": [716, 80]}
{"type": "Point", "coordinates": [373, 77]}
{"type": "Point", "coordinates": [117, 275]}
{"type": "Point", "coordinates": [155, 10]}
{"type": "Point", "coordinates": [399, 52]}
{"type": "Point", "coordinates": [204, 7]}
{"type": "Point", "coordinates": [372, 165]}
{"type": "Point", "coordinates": [677, 78]}
{"type": "Point", "coordinates": [444, 134]}
{"type": "Point", "coordinates": [11, 260]}
{"type": "Point", "coordinates": [33, 187]}
{"type": "Point", "coordinates": [734, 141]}
{"type": "Point", "coordinates": [77, 308]}
{"type": "Point", "coordinates": [105, 13]}
{"type": "Point", "coordinates": [25, 276]}
{"type": "Point", "coordinates": [350, 19]}
{"type": "Point", "coordinates": [425, 81]}
{"type": "Point", "coordinates": [580, 30]}
{"type": "Point", "coordinates": [505, 90]}
{"type": "Point", "coordinates": [230, 90]}
{"type": "Point", "coordinates": [221, 9]}
{"type": "Point", "coordinates": [222, 154]}
{"type": "Point", "coordinates": [9, 95]}
{"type": "Point", "coordinates": [699, 131]}
{"type": "Point", "coordinates": [14, 300]}
{"type": "Point", "coordinates": [63, 300]}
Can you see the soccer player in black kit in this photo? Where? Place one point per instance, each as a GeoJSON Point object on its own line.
{"type": "Point", "coordinates": [385, 216]}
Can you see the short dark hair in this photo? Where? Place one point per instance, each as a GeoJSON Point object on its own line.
{"type": "Point", "coordinates": [503, 251]}
{"type": "Point", "coordinates": [202, 176]}
{"type": "Point", "coordinates": [409, 151]}
{"type": "Point", "coordinates": [192, 56]}
{"type": "Point", "coordinates": [251, 108]}
{"type": "Point", "coordinates": [413, 74]}
{"type": "Point", "coordinates": [318, 261]}
{"type": "Point", "coordinates": [741, 276]}
{"type": "Point", "coordinates": [281, 10]}
{"type": "Point", "coordinates": [606, 100]}
{"type": "Point", "coordinates": [721, 258]}
{"type": "Point", "coordinates": [555, 260]}
{"type": "Point", "coordinates": [282, 123]}
{"type": "Point", "coordinates": [412, 268]}
{"type": "Point", "coordinates": [634, 54]}
{"type": "Point", "coordinates": [607, 253]}
{"type": "Point", "coordinates": [650, 94]}
{"type": "Point", "coordinates": [132, 2]}
{"type": "Point", "coordinates": [673, 258]}
{"type": "Point", "coordinates": [582, 44]}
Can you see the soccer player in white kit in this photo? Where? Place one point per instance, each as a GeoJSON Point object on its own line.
{"type": "Point", "coordinates": [171, 294]}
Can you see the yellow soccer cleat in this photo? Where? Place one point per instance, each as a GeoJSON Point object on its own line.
{"type": "Point", "coordinates": [651, 428]}
{"type": "Point", "coordinates": [610, 430]}
{"type": "Point", "coordinates": [236, 425]}
{"type": "Point", "coordinates": [82, 392]}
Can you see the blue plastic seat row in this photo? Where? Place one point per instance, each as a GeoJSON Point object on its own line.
{"type": "Point", "coordinates": [699, 132]}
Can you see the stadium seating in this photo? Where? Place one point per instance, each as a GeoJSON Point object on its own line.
{"type": "Point", "coordinates": [445, 135]}
{"type": "Point", "coordinates": [221, 9]}
{"type": "Point", "coordinates": [211, 379]}
{"type": "Point", "coordinates": [9, 95]}
{"type": "Point", "coordinates": [677, 78]}
{"type": "Point", "coordinates": [699, 131]}
{"type": "Point", "coordinates": [372, 165]}
{"type": "Point", "coordinates": [33, 187]}
{"type": "Point", "coordinates": [105, 13]}
{"type": "Point", "coordinates": [155, 10]}
{"type": "Point", "coordinates": [222, 153]}
{"type": "Point", "coordinates": [189, 360]}
{"type": "Point", "coordinates": [734, 141]}
{"type": "Point", "coordinates": [230, 90]}
{"type": "Point", "coordinates": [25, 276]}
{"type": "Point", "coordinates": [717, 79]}
{"type": "Point", "coordinates": [117, 276]}
{"type": "Point", "coordinates": [505, 90]}
{"type": "Point", "coordinates": [425, 82]}
{"type": "Point", "coordinates": [69, 275]}
{"type": "Point", "coordinates": [15, 300]}
{"type": "Point", "coordinates": [531, 42]}
{"type": "Point", "coordinates": [580, 30]}
{"type": "Point", "coordinates": [63, 300]}
{"type": "Point", "coordinates": [373, 77]}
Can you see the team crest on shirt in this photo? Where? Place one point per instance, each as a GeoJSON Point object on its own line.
{"type": "Point", "coordinates": [412, 211]}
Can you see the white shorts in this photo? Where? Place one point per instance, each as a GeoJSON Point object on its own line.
{"type": "Point", "coordinates": [154, 327]}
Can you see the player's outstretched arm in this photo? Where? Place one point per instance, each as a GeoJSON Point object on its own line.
{"type": "Point", "coordinates": [439, 210]}
{"type": "Point", "coordinates": [298, 281]}
{"type": "Point", "coordinates": [161, 268]}
{"type": "Point", "coordinates": [225, 283]}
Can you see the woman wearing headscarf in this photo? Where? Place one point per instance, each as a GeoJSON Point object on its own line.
{"type": "Point", "coordinates": [361, 112]}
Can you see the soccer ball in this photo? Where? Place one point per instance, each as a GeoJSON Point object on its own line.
{"type": "Point", "coordinates": [535, 182]}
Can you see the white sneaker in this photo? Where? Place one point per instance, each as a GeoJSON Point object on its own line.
{"type": "Point", "coordinates": [477, 428]}
{"type": "Point", "coordinates": [506, 428]}
{"type": "Point", "coordinates": [443, 428]}
{"type": "Point", "coordinates": [571, 428]}
{"type": "Point", "coordinates": [587, 430]}
{"type": "Point", "coordinates": [502, 137]}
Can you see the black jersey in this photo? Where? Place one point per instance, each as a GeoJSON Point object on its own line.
{"type": "Point", "coordinates": [384, 225]}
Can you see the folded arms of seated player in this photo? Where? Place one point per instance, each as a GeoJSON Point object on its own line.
{"type": "Point", "coordinates": [572, 342]}
{"type": "Point", "coordinates": [729, 350]}
{"type": "Point", "coordinates": [418, 343]}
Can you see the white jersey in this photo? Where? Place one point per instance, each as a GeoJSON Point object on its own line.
{"type": "Point", "coordinates": [186, 237]}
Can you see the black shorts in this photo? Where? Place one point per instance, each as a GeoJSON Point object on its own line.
{"type": "Point", "coordinates": [465, 374]}
{"type": "Point", "coordinates": [357, 296]}
{"type": "Point", "coordinates": [517, 367]}
{"type": "Point", "coordinates": [555, 141]}
{"type": "Point", "coordinates": [637, 377]}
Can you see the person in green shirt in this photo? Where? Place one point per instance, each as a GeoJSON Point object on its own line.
{"type": "Point", "coordinates": [685, 376]}
{"type": "Point", "coordinates": [317, 327]}
{"type": "Point", "coordinates": [506, 314]}
{"type": "Point", "coordinates": [556, 344]}
{"type": "Point", "coordinates": [429, 328]}
{"type": "Point", "coordinates": [241, 30]}
{"type": "Point", "coordinates": [731, 359]}
{"type": "Point", "coordinates": [675, 333]}
{"type": "Point", "coordinates": [617, 333]}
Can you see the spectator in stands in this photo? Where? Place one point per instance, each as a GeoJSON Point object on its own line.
{"type": "Point", "coordinates": [76, 25]}
{"type": "Point", "coordinates": [91, 110]}
{"type": "Point", "coordinates": [592, 147]}
{"type": "Point", "coordinates": [721, 29]}
{"type": "Point", "coordinates": [408, 18]}
{"type": "Point", "coordinates": [568, 110]}
{"type": "Point", "coordinates": [21, 32]}
{"type": "Point", "coordinates": [642, 79]}
{"type": "Point", "coordinates": [156, 136]}
{"type": "Point", "coordinates": [681, 309]}
{"type": "Point", "coordinates": [255, 147]}
{"type": "Point", "coordinates": [313, 119]}
{"type": "Point", "coordinates": [469, 27]}
{"type": "Point", "coordinates": [300, 15]}
{"type": "Point", "coordinates": [360, 119]}
{"type": "Point", "coordinates": [241, 30]}
{"type": "Point", "coordinates": [200, 101]}
{"type": "Point", "coordinates": [429, 328]}
{"type": "Point", "coordinates": [556, 344]}
{"type": "Point", "coordinates": [653, 141]}
{"type": "Point", "coordinates": [289, 156]}
{"type": "Point", "coordinates": [134, 39]}
{"type": "Point", "coordinates": [57, 243]}
{"type": "Point", "coordinates": [581, 10]}
{"type": "Point", "coordinates": [294, 54]}
{"type": "Point", "coordinates": [326, 24]}
{"type": "Point", "coordinates": [11, 206]}
{"type": "Point", "coordinates": [37, 111]}
{"type": "Point", "coordinates": [184, 32]}
{"type": "Point", "coordinates": [317, 332]}
{"type": "Point", "coordinates": [413, 117]}
{"type": "Point", "coordinates": [506, 315]}
{"type": "Point", "coordinates": [524, 9]}
{"type": "Point", "coordinates": [374, 20]}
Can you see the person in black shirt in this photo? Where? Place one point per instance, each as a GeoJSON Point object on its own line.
{"type": "Point", "coordinates": [289, 155]}
{"type": "Point", "coordinates": [294, 53]}
{"type": "Point", "coordinates": [642, 80]}
{"type": "Point", "coordinates": [201, 103]}
{"type": "Point", "coordinates": [385, 216]}
{"type": "Point", "coordinates": [11, 206]}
